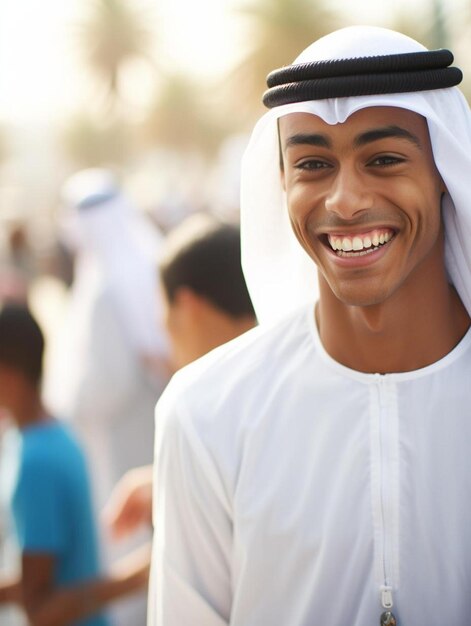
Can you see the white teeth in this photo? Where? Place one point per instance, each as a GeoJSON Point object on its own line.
{"type": "Point", "coordinates": [357, 243]}
{"type": "Point", "coordinates": [335, 244]}
{"type": "Point", "coordinates": [346, 244]}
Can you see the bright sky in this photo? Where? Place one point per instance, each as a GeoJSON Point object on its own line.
{"type": "Point", "coordinates": [39, 58]}
{"type": "Point", "coordinates": [34, 57]}
{"type": "Point", "coordinates": [40, 75]}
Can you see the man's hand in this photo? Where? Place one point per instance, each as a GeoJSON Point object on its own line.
{"type": "Point", "coordinates": [10, 591]}
{"type": "Point", "coordinates": [130, 504]}
{"type": "Point", "coordinates": [47, 605]}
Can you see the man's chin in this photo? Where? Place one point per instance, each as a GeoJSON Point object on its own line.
{"type": "Point", "coordinates": [355, 296]}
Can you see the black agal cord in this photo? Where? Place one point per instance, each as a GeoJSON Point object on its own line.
{"type": "Point", "coordinates": [362, 76]}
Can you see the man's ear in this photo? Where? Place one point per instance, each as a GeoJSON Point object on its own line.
{"type": "Point", "coordinates": [185, 297]}
{"type": "Point", "coordinates": [190, 303]}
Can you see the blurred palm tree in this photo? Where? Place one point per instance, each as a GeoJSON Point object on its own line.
{"type": "Point", "coordinates": [423, 30]}
{"type": "Point", "coordinates": [440, 36]}
{"type": "Point", "coordinates": [183, 118]}
{"type": "Point", "coordinates": [437, 29]}
{"type": "Point", "coordinates": [114, 33]}
{"type": "Point", "coordinates": [91, 143]}
{"type": "Point", "coordinates": [278, 31]}
{"type": "Point", "coordinates": [462, 44]}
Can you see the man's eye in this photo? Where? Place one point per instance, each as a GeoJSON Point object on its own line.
{"type": "Point", "coordinates": [384, 161]}
{"type": "Point", "coordinates": [312, 164]}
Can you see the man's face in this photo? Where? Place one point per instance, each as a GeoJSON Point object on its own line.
{"type": "Point", "coordinates": [363, 198]}
{"type": "Point", "coordinates": [11, 390]}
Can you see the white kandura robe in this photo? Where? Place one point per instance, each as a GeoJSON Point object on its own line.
{"type": "Point", "coordinates": [291, 490]}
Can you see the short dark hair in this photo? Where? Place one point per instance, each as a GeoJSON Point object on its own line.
{"type": "Point", "coordinates": [21, 342]}
{"type": "Point", "coordinates": [203, 254]}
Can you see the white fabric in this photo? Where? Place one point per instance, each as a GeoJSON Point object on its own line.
{"type": "Point", "coordinates": [10, 553]}
{"type": "Point", "coordinates": [299, 488]}
{"type": "Point", "coordinates": [98, 380]}
{"type": "Point", "coordinates": [113, 238]}
{"type": "Point", "coordinates": [279, 274]}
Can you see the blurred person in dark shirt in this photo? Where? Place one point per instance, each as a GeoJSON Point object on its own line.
{"type": "Point", "coordinates": [206, 304]}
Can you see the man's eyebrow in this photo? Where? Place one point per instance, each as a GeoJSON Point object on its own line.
{"type": "Point", "coordinates": [309, 139]}
{"type": "Point", "coordinates": [375, 134]}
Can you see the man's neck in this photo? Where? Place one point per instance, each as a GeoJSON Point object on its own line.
{"type": "Point", "coordinates": [417, 326]}
{"type": "Point", "coordinates": [220, 327]}
{"type": "Point", "coordinates": [31, 411]}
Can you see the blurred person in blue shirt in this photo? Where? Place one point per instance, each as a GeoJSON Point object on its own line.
{"type": "Point", "coordinates": [61, 583]}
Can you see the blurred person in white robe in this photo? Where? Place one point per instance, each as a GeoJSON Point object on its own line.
{"type": "Point", "coordinates": [108, 365]}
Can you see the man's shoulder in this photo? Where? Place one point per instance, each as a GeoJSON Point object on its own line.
{"type": "Point", "coordinates": [252, 352]}
{"type": "Point", "coordinates": [212, 408]}
{"type": "Point", "coordinates": [49, 447]}
{"type": "Point", "coordinates": [238, 372]}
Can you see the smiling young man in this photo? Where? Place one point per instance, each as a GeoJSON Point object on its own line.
{"type": "Point", "coordinates": [316, 470]}
{"type": "Point", "coordinates": [364, 201]}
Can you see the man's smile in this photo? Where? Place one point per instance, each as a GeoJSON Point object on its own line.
{"type": "Point", "coordinates": [359, 244]}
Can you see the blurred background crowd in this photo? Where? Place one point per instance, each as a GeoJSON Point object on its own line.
{"type": "Point", "coordinates": [163, 92]}
{"type": "Point", "coordinates": [161, 97]}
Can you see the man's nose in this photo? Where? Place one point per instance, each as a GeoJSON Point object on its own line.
{"type": "Point", "coordinates": [349, 194]}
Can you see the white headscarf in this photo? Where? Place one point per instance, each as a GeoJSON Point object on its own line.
{"type": "Point", "coordinates": [279, 273]}
{"type": "Point", "coordinates": [116, 243]}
